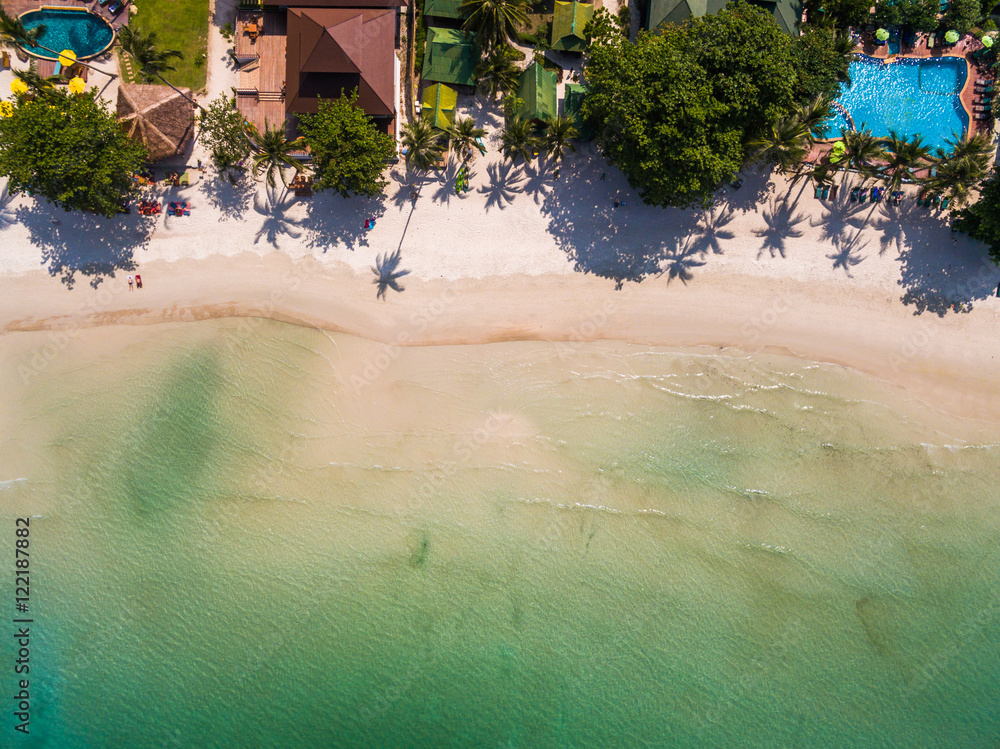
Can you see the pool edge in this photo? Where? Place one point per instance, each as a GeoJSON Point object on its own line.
{"type": "Point", "coordinates": [114, 31]}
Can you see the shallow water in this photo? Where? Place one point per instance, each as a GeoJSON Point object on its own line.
{"type": "Point", "coordinates": [252, 534]}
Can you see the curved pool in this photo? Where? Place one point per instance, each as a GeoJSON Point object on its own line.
{"type": "Point", "coordinates": [911, 97]}
{"type": "Point", "coordinates": [84, 32]}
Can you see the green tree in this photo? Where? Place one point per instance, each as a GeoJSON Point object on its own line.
{"type": "Point", "coordinates": [349, 151]}
{"type": "Point", "coordinates": [903, 157]}
{"type": "Point", "coordinates": [956, 178]}
{"type": "Point", "coordinates": [274, 155]}
{"type": "Point", "coordinates": [981, 220]}
{"type": "Point", "coordinates": [838, 13]}
{"type": "Point", "coordinates": [864, 152]}
{"type": "Point", "coordinates": [560, 132]}
{"type": "Point", "coordinates": [962, 15]}
{"type": "Point", "coordinates": [70, 150]}
{"type": "Point", "coordinates": [496, 74]}
{"type": "Point", "coordinates": [785, 144]}
{"type": "Point", "coordinates": [465, 136]}
{"type": "Point", "coordinates": [822, 59]}
{"type": "Point", "coordinates": [223, 132]}
{"type": "Point", "coordinates": [519, 139]}
{"type": "Point", "coordinates": [910, 16]}
{"type": "Point", "coordinates": [424, 145]}
{"type": "Point", "coordinates": [494, 22]}
{"type": "Point", "coordinates": [813, 115]}
{"type": "Point", "coordinates": [676, 110]}
{"type": "Point", "coordinates": [152, 62]}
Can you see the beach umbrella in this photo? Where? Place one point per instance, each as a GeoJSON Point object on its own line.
{"type": "Point", "coordinates": [67, 57]}
{"type": "Point", "coordinates": [987, 41]}
{"type": "Point", "coordinates": [837, 152]}
{"type": "Point", "coordinates": [881, 35]}
{"type": "Point", "coordinates": [18, 86]}
{"type": "Point", "coordinates": [951, 37]}
{"type": "Point", "coordinates": [6, 109]}
{"type": "Point", "coordinates": [77, 85]}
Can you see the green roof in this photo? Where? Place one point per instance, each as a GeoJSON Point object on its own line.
{"type": "Point", "coordinates": [444, 8]}
{"type": "Point", "coordinates": [568, 23]}
{"type": "Point", "coordinates": [575, 93]}
{"type": "Point", "coordinates": [449, 57]}
{"type": "Point", "coordinates": [537, 93]}
{"type": "Point", "coordinates": [438, 105]}
{"type": "Point", "coordinates": [786, 12]}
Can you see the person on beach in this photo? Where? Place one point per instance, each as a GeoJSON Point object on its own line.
{"type": "Point", "coordinates": [130, 283]}
{"type": "Point", "coordinates": [138, 281]}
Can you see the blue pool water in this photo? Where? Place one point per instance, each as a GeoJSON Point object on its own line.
{"type": "Point", "coordinates": [85, 33]}
{"type": "Point", "coordinates": [908, 96]}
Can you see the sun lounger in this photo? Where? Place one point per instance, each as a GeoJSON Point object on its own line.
{"type": "Point", "coordinates": [944, 203]}
{"type": "Point", "coordinates": [833, 192]}
{"type": "Point", "coordinates": [863, 196]}
{"type": "Point", "coordinates": [826, 193]}
{"type": "Point", "coordinates": [854, 194]}
{"type": "Point", "coordinates": [980, 116]}
{"type": "Point", "coordinates": [874, 194]}
{"type": "Point", "coordinates": [819, 192]}
{"type": "Point", "coordinates": [185, 180]}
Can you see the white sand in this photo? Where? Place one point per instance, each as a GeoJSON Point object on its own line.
{"type": "Point", "coordinates": [770, 268]}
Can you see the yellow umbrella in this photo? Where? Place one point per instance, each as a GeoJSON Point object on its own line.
{"type": "Point", "coordinates": [67, 57]}
{"type": "Point", "coordinates": [77, 85]}
{"type": "Point", "coordinates": [6, 109]}
{"type": "Point", "coordinates": [18, 86]}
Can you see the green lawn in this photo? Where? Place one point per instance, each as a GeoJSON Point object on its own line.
{"type": "Point", "coordinates": [180, 25]}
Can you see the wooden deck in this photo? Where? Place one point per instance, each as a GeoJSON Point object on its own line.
{"type": "Point", "coordinates": [261, 91]}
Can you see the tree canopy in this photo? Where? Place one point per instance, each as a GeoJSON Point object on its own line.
{"type": "Point", "coordinates": [348, 150]}
{"type": "Point", "coordinates": [69, 149]}
{"type": "Point", "coordinates": [224, 135]}
{"type": "Point", "coordinates": [909, 15]}
{"type": "Point", "coordinates": [677, 109]}
{"type": "Point", "coordinates": [981, 220]}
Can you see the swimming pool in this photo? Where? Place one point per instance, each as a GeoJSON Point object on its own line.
{"type": "Point", "coordinates": [909, 96]}
{"type": "Point", "coordinates": [85, 33]}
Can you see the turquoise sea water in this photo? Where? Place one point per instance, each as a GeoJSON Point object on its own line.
{"type": "Point", "coordinates": [910, 97]}
{"type": "Point", "coordinates": [259, 535]}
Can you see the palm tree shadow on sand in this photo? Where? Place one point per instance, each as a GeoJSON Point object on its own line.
{"type": "Point", "coordinates": [782, 222]}
{"type": "Point", "coordinates": [232, 200]}
{"type": "Point", "coordinates": [7, 215]}
{"type": "Point", "coordinates": [386, 274]}
{"type": "Point", "coordinates": [711, 232]}
{"type": "Point", "coordinates": [276, 223]}
{"type": "Point", "coordinates": [847, 256]}
{"type": "Point", "coordinates": [504, 184]}
{"type": "Point", "coordinates": [679, 260]}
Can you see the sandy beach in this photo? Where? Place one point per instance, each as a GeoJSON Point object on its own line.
{"type": "Point", "coordinates": [887, 290]}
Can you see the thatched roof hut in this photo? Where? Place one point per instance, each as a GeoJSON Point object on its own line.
{"type": "Point", "coordinates": [158, 117]}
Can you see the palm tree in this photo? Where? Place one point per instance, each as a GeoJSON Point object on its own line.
{"type": "Point", "coordinates": [813, 115]}
{"type": "Point", "coordinates": [13, 34]}
{"type": "Point", "coordinates": [424, 145]}
{"type": "Point", "coordinates": [955, 178]}
{"type": "Point", "coordinates": [496, 74]}
{"type": "Point", "coordinates": [904, 157]}
{"type": "Point", "coordinates": [862, 150]}
{"type": "Point", "coordinates": [228, 166]}
{"type": "Point", "coordinates": [463, 135]}
{"type": "Point", "coordinates": [785, 144]}
{"type": "Point", "coordinates": [494, 21]}
{"type": "Point", "coordinates": [977, 146]}
{"type": "Point", "coordinates": [35, 82]}
{"type": "Point", "coordinates": [152, 62]}
{"type": "Point", "coordinates": [559, 132]}
{"type": "Point", "coordinates": [844, 46]}
{"type": "Point", "coordinates": [386, 275]}
{"type": "Point", "coordinates": [274, 154]}
{"type": "Point", "coordinates": [519, 139]}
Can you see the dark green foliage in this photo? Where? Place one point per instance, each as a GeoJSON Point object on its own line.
{"type": "Point", "coordinates": [676, 110]}
{"type": "Point", "coordinates": [910, 16]}
{"type": "Point", "coordinates": [962, 15]}
{"type": "Point", "coordinates": [981, 220]}
{"type": "Point", "coordinates": [838, 13]}
{"type": "Point", "coordinates": [349, 152]}
{"type": "Point", "coordinates": [820, 63]}
{"type": "Point", "coordinates": [420, 38]}
{"type": "Point", "coordinates": [70, 150]}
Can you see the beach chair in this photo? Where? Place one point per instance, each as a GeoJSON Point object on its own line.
{"type": "Point", "coordinates": [185, 180]}
{"type": "Point", "coordinates": [854, 194]}
{"type": "Point", "coordinates": [5, 59]}
{"type": "Point", "coordinates": [819, 192]}
{"type": "Point", "coordinates": [862, 196]}
{"type": "Point", "coordinates": [874, 194]}
{"type": "Point", "coordinates": [833, 192]}
{"type": "Point", "coordinates": [944, 203]}
{"type": "Point", "coordinates": [826, 193]}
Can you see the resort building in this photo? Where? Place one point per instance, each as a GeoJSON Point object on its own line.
{"type": "Point", "coordinates": [537, 92]}
{"type": "Point", "coordinates": [786, 12]}
{"type": "Point", "coordinates": [437, 105]}
{"type": "Point", "coordinates": [444, 9]}
{"type": "Point", "coordinates": [295, 55]}
{"type": "Point", "coordinates": [450, 57]}
{"type": "Point", "coordinates": [568, 22]}
{"type": "Point", "coordinates": [158, 117]}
